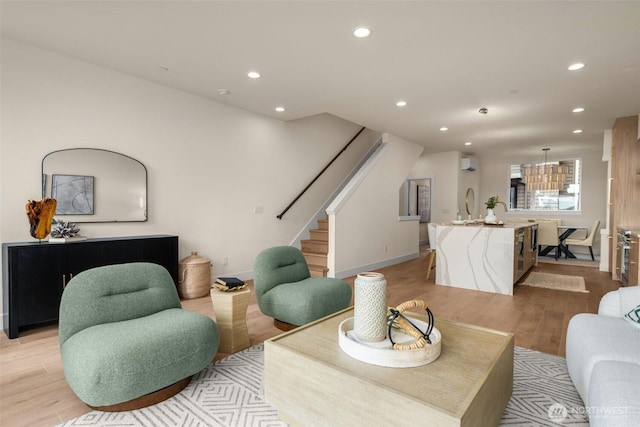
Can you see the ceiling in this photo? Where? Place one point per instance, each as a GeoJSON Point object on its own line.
{"type": "Point", "coordinates": [445, 59]}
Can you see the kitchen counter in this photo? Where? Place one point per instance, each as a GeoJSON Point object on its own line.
{"type": "Point", "coordinates": [488, 258]}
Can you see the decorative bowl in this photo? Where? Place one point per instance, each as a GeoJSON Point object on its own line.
{"type": "Point", "coordinates": [381, 353]}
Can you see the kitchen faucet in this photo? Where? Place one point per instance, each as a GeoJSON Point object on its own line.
{"type": "Point", "coordinates": [503, 204]}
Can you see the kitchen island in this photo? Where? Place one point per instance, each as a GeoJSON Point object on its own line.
{"type": "Point", "coordinates": [488, 258]}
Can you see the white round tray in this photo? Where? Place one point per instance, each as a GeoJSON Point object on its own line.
{"type": "Point", "coordinates": [381, 353]}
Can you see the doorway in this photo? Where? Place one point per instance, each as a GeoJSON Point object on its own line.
{"type": "Point", "coordinates": [415, 200]}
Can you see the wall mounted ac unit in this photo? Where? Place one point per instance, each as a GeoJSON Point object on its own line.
{"type": "Point", "coordinates": [468, 164]}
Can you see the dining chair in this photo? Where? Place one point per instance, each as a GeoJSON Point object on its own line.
{"type": "Point", "coordinates": [587, 241]}
{"type": "Point", "coordinates": [548, 236]}
{"type": "Point", "coordinates": [431, 261]}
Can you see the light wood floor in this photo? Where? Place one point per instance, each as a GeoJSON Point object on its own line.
{"type": "Point", "coordinates": [33, 391]}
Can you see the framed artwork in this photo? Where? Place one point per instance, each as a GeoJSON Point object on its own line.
{"type": "Point", "coordinates": [74, 194]}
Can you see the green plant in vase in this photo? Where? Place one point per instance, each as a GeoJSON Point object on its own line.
{"type": "Point", "coordinates": [491, 204]}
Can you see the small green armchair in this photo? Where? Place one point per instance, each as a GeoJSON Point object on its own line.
{"type": "Point", "coordinates": [286, 291]}
{"type": "Point", "coordinates": [125, 340]}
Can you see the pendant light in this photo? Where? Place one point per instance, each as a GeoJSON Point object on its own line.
{"type": "Point", "coordinates": [546, 176]}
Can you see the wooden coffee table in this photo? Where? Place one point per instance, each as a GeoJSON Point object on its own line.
{"type": "Point", "coordinates": [312, 382]}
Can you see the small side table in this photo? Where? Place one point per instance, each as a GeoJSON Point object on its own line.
{"type": "Point", "coordinates": [231, 317]}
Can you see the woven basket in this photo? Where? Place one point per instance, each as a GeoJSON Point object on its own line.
{"type": "Point", "coordinates": [194, 276]}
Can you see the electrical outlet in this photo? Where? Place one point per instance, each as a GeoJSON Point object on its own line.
{"type": "Point", "coordinates": [386, 248]}
{"type": "Point", "coordinates": [225, 261]}
{"type": "Point", "coordinates": [257, 209]}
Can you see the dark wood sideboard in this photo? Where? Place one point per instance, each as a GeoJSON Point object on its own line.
{"type": "Point", "coordinates": [34, 274]}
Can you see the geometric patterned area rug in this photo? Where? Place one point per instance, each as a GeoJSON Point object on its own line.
{"type": "Point", "coordinates": [559, 282]}
{"type": "Point", "coordinates": [228, 393]}
{"type": "Point", "coordinates": [543, 393]}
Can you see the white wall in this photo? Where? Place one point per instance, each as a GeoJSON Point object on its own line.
{"type": "Point", "coordinates": [448, 186]}
{"type": "Point", "coordinates": [467, 180]}
{"type": "Point", "coordinates": [364, 228]}
{"type": "Point", "coordinates": [494, 176]}
{"type": "Point", "coordinates": [447, 192]}
{"type": "Point", "coordinates": [208, 164]}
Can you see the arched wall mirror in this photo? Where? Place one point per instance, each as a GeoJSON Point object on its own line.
{"type": "Point", "coordinates": [470, 201]}
{"type": "Point", "coordinates": [94, 185]}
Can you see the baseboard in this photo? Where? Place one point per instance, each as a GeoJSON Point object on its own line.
{"type": "Point", "coordinates": [374, 266]}
{"type": "Point", "coordinates": [248, 275]}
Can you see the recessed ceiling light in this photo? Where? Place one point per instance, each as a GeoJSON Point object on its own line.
{"type": "Point", "coordinates": [401, 104]}
{"type": "Point", "coordinates": [578, 110]}
{"type": "Point", "coordinates": [253, 75]}
{"type": "Point", "coordinates": [444, 129]}
{"type": "Point", "coordinates": [223, 92]}
{"type": "Point", "coordinates": [576, 66]}
{"type": "Point", "coordinates": [362, 32]}
{"type": "Point", "coordinates": [577, 131]}
{"type": "Point", "coordinates": [280, 109]}
{"type": "Point", "coordinates": [468, 143]}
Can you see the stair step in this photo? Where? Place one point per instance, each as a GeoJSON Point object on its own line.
{"type": "Point", "coordinates": [318, 271]}
{"type": "Point", "coordinates": [314, 258]}
{"type": "Point", "coordinates": [318, 246]}
{"type": "Point", "coordinates": [322, 235]}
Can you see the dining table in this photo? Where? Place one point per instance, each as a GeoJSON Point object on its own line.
{"type": "Point", "coordinates": [566, 231]}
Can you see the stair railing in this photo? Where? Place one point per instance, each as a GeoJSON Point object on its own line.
{"type": "Point", "coordinates": [319, 174]}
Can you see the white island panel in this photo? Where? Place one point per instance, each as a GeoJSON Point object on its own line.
{"type": "Point", "coordinates": [475, 257]}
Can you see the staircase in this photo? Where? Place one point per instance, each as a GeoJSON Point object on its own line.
{"type": "Point", "coordinates": [316, 248]}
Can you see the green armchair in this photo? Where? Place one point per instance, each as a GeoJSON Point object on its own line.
{"type": "Point", "coordinates": [286, 292]}
{"type": "Point", "coordinates": [125, 340]}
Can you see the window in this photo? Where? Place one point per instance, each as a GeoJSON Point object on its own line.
{"type": "Point", "coordinates": [546, 186]}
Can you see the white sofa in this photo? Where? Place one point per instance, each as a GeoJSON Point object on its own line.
{"type": "Point", "coordinates": [603, 359]}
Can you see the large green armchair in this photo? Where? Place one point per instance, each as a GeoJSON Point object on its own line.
{"type": "Point", "coordinates": [125, 340]}
{"type": "Point", "coordinates": [286, 291]}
